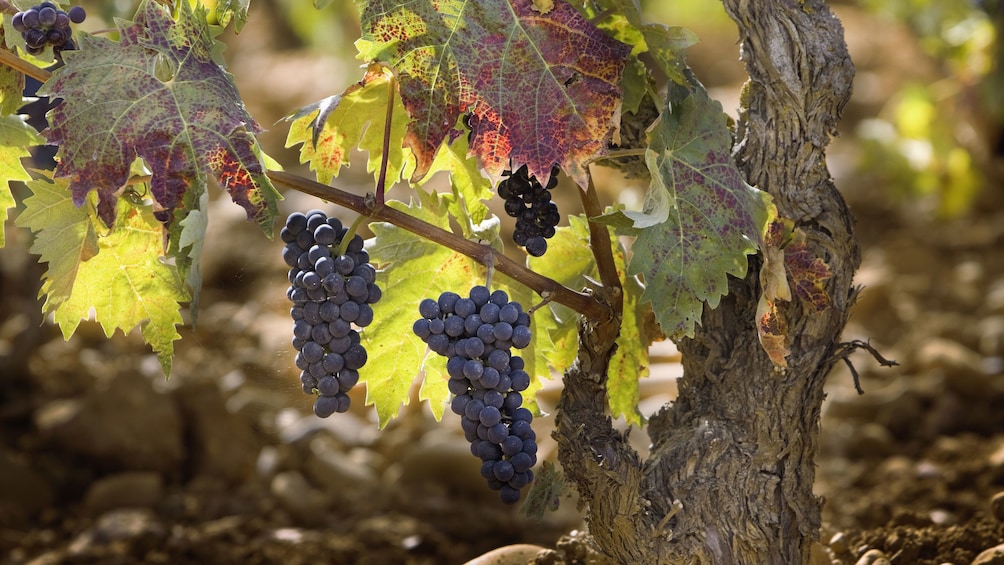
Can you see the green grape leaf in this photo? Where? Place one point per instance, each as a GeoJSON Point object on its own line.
{"type": "Point", "coordinates": [327, 130]}
{"type": "Point", "coordinates": [666, 45]}
{"type": "Point", "coordinates": [542, 89]}
{"type": "Point", "coordinates": [65, 237]}
{"type": "Point", "coordinates": [118, 277]}
{"type": "Point", "coordinates": [570, 262]}
{"type": "Point", "coordinates": [11, 87]}
{"type": "Point", "coordinates": [699, 219]}
{"type": "Point", "coordinates": [191, 238]}
{"type": "Point", "coordinates": [15, 137]}
{"type": "Point", "coordinates": [469, 187]}
{"type": "Point", "coordinates": [160, 95]}
{"type": "Point", "coordinates": [412, 268]}
{"type": "Point", "coordinates": [232, 11]}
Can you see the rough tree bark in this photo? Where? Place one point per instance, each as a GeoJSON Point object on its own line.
{"type": "Point", "coordinates": [731, 472]}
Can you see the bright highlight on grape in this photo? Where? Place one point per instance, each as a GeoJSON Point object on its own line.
{"type": "Point", "coordinates": [331, 295]}
{"type": "Point", "coordinates": [475, 334]}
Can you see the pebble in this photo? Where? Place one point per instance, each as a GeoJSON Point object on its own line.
{"type": "Point", "coordinates": [134, 489]}
{"type": "Point", "coordinates": [124, 422]}
{"type": "Point", "coordinates": [992, 556]}
{"type": "Point", "coordinates": [519, 554]}
{"type": "Point", "coordinates": [306, 504]}
{"type": "Point", "coordinates": [873, 557]}
{"type": "Point", "coordinates": [337, 473]}
{"type": "Point", "coordinates": [997, 506]}
{"type": "Point", "coordinates": [122, 525]}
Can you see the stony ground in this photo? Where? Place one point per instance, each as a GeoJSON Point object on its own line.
{"type": "Point", "coordinates": [103, 461]}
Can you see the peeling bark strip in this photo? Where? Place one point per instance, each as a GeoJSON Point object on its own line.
{"type": "Point", "coordinates": [737, 448]}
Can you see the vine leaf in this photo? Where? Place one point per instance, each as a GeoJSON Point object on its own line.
{"type": "Point", "coordinates": [11, 87]}
{"type": "Point", "coordinates": [808, 273]}
{"type": "Point", "coordinates": [15, 137]}
{"type": "Point", "coordinates": [64, 238]}
{"type": "Point", "coordinates": [158, 94]}
{"type": "Point", "coordinates": [329, 129]}
{"type": "Point", "coordinates": [699, 219]}
{"type": "Point", "coordinates": [542, 88]}
{"type": "Point", "coordinates": [570, 262]}
{"type": "Point", "coordinates": [412, 268]}
{"type": "Point", "coordinates": [117, 276]}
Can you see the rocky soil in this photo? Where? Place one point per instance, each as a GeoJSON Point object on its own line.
{"type": "Point", "coordinates": [102, 460]}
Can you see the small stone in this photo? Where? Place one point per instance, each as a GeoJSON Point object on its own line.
{"type": "Point", "coordinates": [873, 557]}
{"type": "Point", "coordinates": [306, 504]}
{"type": "Point", "coordinates": [997, 506]}
{"type": "Point", "coordinates": [136, 489]}
{"type": "Point", "coordinates": [992, 556]}
{"type": "Point", "coordinates": [124, 422]}
{"type": "Point", "coordinates": [838, 543]}
{"type": "Point", "coordinates": [134, 525]}
{"type": "Point", "coordinates": [518, 554]}
{"type": "Point", "coordinates": [337, 473]}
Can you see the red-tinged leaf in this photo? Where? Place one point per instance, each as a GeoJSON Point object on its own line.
{"type": "Point", "coordinates": [542, 88]}
{"type": "Point", "coordinates": [772, 328]}
{"type": "Point", "coordinates": [808, 273]}
{"type": "Point", "coordinates": [158, 94]}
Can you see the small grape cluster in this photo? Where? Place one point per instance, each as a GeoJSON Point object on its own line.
{"type": "Point", "coordinates": [331, 295]}
{"type": "Point", "coordinates": [476, 334]}
{"type": "Point", "coordinates": [46, 24]}
{"type": "Point", "coordinates": [530, 203]}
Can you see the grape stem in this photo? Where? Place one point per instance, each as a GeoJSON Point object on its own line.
{"type": "Point", "coordinates": [343, 245]}
{"type": "Point", "coordinates": [583, 303]}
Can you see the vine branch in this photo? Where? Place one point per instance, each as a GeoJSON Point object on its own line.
{"type": "Point", "coordinates": [599, 242]}
{"type": "Point", "coordinates": [484, 254]}
{"type": "Point", "coordinates": [23, 67]}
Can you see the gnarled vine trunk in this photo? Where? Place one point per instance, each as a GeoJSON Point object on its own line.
{"type": "Point", "coordinates": [732, 466]}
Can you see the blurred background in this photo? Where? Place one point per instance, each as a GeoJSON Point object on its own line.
{"type": "Point", "coordinates": [102, 460]}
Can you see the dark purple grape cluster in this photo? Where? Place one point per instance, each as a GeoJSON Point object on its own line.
{"type": "Point", "coordinates": [530, 203]}
{"type": "Point", "coordinates": [331, 295]}
{"type": "Point", "coordinates": [476, 335]}
{"type": "Point", "coordinates": [47, 24]}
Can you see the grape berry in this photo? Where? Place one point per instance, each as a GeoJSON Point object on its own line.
{"type": "Point", "coordinates": [46, 24]}
{"type": "Point", "coordinates": [331, 297]}
{"type": "Point", "coordinates": [476, 334]}
{"type": "Point", "coordinates": [530, 203]}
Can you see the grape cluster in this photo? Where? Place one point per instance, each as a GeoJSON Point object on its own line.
{"type": "Point", "coordinates": [476, 334]}
{"type": "Point", "coordinates": [46, 24]}
{"type": "Point", "coordinates": [530, 203]}
{"type": "Point", "coordinates": [331, 297]}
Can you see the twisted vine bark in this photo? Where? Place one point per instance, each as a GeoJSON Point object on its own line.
{"type": "Point", "coordinates": [737, 447]}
